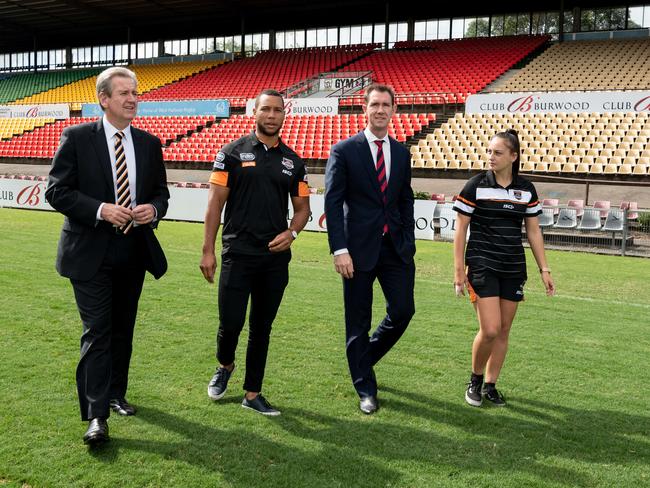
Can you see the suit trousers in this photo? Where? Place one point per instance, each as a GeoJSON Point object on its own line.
{"type": "Point", "coordinates": [262, 279]}
{"type": "Point", "coordinates": [108, 305]}
{"type": "Point", "coordinates": [397, 281]}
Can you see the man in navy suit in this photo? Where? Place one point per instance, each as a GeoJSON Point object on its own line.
{"type": "Point", "coordinates": [370, 226]}
{"type": "Point", "coordinates": [108, 179]}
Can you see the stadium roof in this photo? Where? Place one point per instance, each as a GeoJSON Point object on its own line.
{"type": "Point", "coordinates": [27, 25]}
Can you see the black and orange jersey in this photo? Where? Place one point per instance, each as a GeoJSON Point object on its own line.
{"type": "Point", "coordinates": [260, 180]}
{"type": "Point", "coordinates": [496, 215]}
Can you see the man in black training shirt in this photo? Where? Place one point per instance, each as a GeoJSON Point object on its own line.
{"type": "Point", "coordinates": [254, 177]}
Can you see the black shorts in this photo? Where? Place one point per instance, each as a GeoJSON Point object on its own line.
{"type": "Point", "coordinates": [485, 283]}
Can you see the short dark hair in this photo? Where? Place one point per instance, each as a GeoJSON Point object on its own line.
{"type": "Point", "coordinates": [511, 138]}
{"type": "Point", "coordinates": [380, 88]}
{"type": "Point", "coordinates": [269, 92]}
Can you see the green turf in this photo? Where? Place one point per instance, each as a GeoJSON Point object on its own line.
{"type": "Point", "coordinates": [575, 379]}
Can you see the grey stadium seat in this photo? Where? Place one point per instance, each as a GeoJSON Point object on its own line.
{"type": "Point", "coordinates": [590, 220]}
{"type": "Point", "coordinates": [614, 221]}
{"type": "Point", "coordinates": [567, 219]}
{"type": "Point", "coordinates": [546, 218]}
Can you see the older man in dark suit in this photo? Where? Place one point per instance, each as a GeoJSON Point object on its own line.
{"type": "Point", "coordinates": [370, 225]}
{"type": "Point", "coordinates": [108, 179]}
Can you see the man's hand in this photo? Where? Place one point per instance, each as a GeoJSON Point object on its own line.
{"type": "Point", "coordinates": [282, 242]}
{"type": "Point", "coordinates": [343, 265]}
{"type": "Point", "coordinates": [116, 214]}
{"type": "Point", "coordinates": [144, 214]}
{"type": "Point", "coordinates": [208, 266]}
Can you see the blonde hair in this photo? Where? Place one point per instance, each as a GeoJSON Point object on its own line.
{"type": "Point", "coordinates": [104, 79]}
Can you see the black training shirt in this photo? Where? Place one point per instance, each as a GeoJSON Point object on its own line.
{"type": "Point", "coordinates": [496, 215]}
{"type": "Point", "coordinates": [260, 182]}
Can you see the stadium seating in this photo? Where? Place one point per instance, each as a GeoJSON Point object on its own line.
{"type": "Point", "coordinates": [243, 79]}
{"type": "Point", "coordinates": [150, 76]}
{"type": "Point", "coordinates": [586, 65]}
{"type": "Point", "coordinates": [310, 136]}
{"type": "Point", "coordinates": [13, 127]}
{"type": "Point", "coordinates": [457, 67]}
{"type": "Point", "coordinates": [43, 142]}
{"type": "Point", "coordinates": [24, 84]}
{"type": "Point", "coordinates": [563, 143]}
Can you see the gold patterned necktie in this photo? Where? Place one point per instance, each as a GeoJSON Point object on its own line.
{"type": "Point", "coordinates": [122, 179]}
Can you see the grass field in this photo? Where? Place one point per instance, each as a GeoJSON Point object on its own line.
{"type": "Point", "coordinates": [575, 378]}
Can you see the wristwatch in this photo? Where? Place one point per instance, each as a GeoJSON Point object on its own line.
{"type": "Point", "coordinates": [545, 270]}
{"type": "Point", "coordinates": [294, 234]}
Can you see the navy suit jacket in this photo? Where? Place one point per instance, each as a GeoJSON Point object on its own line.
{"type": "Point", "coordinates": [354, 206]}
{"type": "Point", "coordinates": [81, 179]}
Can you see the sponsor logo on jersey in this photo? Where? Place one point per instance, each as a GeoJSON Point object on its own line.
{"type": "Point", "coordinates": [287, 172]}
{"type": "Point", "coordinates": [218, 165]}
{"type": "Point", "coordinates": [248, 164]}
{"type": "Point", "coordinates": [247, 156]}
{"type": "Point", "coordinates": [508, 206]}
{"type": "Point", "coordinates": [220, 157]}
{"type": "Point", "coordinates": [287, 163]}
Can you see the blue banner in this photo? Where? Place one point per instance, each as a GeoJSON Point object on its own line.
{"type": "Point", "coordinates": [218, 108]}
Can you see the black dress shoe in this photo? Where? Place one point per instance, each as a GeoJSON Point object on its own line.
{"type": "Point", "coordinates": [368, 404]}
{"type": "Point", "coordinates": [97, 432]}
{"type": "Point", "coordinates": [121, 406]}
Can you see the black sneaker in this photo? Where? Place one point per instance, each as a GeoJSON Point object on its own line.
{"type": "Point", "coordinates": [473, 394]}
{"type": "Point", "coordinates": [491, 394]}
{"type": "Point", "coordinates": [219, 383]}
{"type": "Point", "coordinates": [260, 405]}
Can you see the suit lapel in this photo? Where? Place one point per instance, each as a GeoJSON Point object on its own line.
{"type": "Point", "coordinates": [395, 170]}
{"type": "Point", "coordinates": [101, 149]}
{"type": "Point", "coordinates": [139, 158]}
{"type": "Point", "coordinates": [365, 156]}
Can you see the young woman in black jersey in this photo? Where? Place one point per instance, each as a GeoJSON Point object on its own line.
{"type": "Point", "coordinates": [493, 205]}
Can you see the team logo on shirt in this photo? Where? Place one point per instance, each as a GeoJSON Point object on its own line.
{"type": "Point", "coordinates": [247, 156]}
{"type": "Point", "coordinates": [287, 163]}
{"type": "Point", "coordinates": [218, 161]}
{"type": "Point", "coordinates": [517, 194]}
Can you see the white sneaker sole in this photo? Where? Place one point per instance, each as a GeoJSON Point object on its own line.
{"type": "Point", "coordinates": [219, 397]}
{"type": "Point", "coordinates": [473, 403]}
{"type": "Point", "coordinates": [216, 397]}
{"type": "Point", "coordinates": [267, 414]}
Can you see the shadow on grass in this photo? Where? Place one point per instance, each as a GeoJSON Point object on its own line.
{"type": "Point", "coordinates": [244, 458]}
{"type": "Point", "coordinates": [536, 440]}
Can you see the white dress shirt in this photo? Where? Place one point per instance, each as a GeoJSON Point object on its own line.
{"type": "Point", "coordinates": [129, 152]}
{"type": "Point", "coordinates": [371, 138]}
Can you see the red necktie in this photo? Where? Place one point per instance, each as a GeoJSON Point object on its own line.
{"type": "Point", "coordinates": [381, 176]}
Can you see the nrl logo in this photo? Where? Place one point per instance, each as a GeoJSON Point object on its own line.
{"type": "Point", "coordinates": [247, 156]}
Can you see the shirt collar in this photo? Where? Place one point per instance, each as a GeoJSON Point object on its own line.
{"type": "Point", "coordinates": [493, 182]}
{"type": "Point", "coordinates": [255, 141]}
{"type": "Point", "coordinates": [372, 138]}
{"type": "Point", "coordinates": [111, 130]}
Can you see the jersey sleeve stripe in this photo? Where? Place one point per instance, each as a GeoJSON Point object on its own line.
{"type": "Point", "coordinates": [464, 200]}
{"type": "Point", "coordinates": [462, 208]}
{"type": "Point", "coordinates": [219, 178]}
{"type": "Point", "coordinates": [303, 189]}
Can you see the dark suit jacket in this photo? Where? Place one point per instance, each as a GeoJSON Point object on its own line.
{"type": "Point", "coordinates": [81, 179]}
{"type": "Point", "coordinates": [354, 207]}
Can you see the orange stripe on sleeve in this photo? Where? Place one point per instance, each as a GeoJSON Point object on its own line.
{"type": "Point", "coordinates": [532, 204]}
{"type": "Point", "coordinates": [471, 204]}
{"type": "Point", "coordinates": [219, 178]}
{"type": "Point", "coordinates": [303, 189]}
